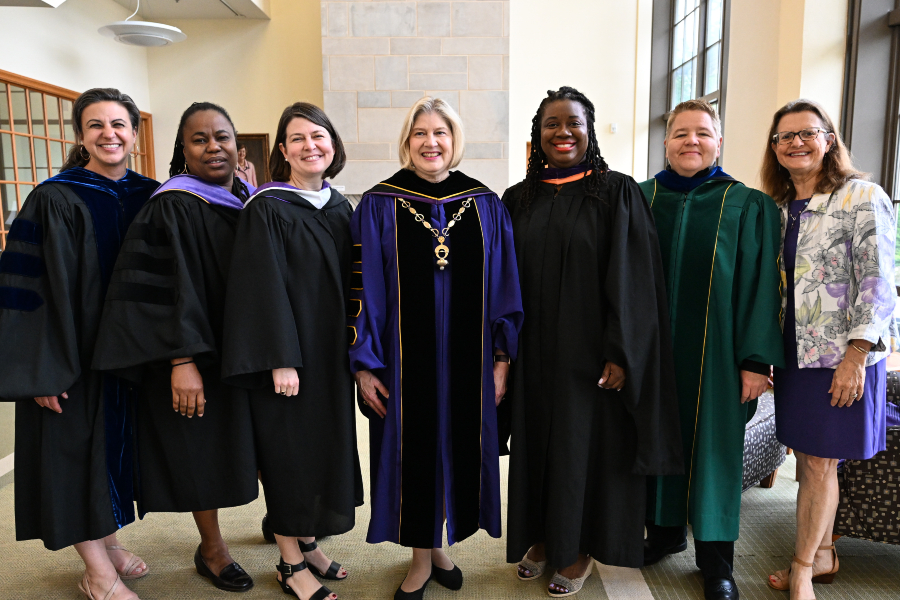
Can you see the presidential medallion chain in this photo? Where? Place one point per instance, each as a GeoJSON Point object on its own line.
{"type": "Point", "coordinates": [442, 251]}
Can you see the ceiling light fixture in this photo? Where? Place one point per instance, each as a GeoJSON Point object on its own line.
{"type": "Point", "coordinates": [142, 33]}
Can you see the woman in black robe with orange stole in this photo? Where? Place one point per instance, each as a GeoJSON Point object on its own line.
{"type": "Point", "coordinates": [594, 406]}
{"type": "Point", "coordinates": [163, 326]}
{"type": "Point", "coordinates": [73, 470]}
{"type": "Point", "coordinates": [436, 303]}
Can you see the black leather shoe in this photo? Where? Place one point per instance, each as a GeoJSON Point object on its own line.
{"type": "Point", "coordinates": [653, 554]}
{"type": "Point", "coordinates": [232, 578]}
{"type": "Point", "coordinates": [268, 534]}
{"type": "Point", "coordinates": [720, 589]}
{"type": "Point", "coordinates": [416, 595]}
{"type": "Point", "coordinates": [452, 579]}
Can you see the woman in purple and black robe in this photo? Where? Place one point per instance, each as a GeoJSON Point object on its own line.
{"type": "Point", "coordinates": [435, 318]}
{"type": "Point", "coordinates": [163, 325]}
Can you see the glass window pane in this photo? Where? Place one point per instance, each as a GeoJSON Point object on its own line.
{"type": "Point", "coordinates": [678, 45]}
{"type": "Point", "coordinates": [712, 69]}
{"type": "Point", "coordinates": [20, 114]}
{"type": "Point", "coordinates": [7, 172]}
{"type": "Point", "coordinates": [8, 203]}
{"type": "Point", "coordinates": [67, 121]}
{"type": "Point", "coordinates": [676, 86]}
{"type": "Point", "coordinates": [679, 9]}
{"type": "Point", "coordinates": [713, 22]}
{"type": "Point", "coordinates": [53, 124]}
{"type": "Point", "coordinates": [41, 164]}
{"type": "Point", "coordinates": [4, 108]}
{"type": "Point", "coordinates": [688, 81]}
{"type": "Point", "coordinates": [57, 156]}
{"type": "Point", "coordinates": [24, 190]}
{"type": "Point", "coordinates": [37, 113]}
{"type": "Point", "coordinates": [23, 157]}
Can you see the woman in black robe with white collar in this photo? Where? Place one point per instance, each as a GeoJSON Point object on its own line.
{"type": "Point", "coordinates": [285, 338]}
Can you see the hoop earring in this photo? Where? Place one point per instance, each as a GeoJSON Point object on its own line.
{"type": "Point", "coordinates": [81, 153]}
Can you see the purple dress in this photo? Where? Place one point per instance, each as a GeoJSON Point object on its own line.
{"type": "Point", "coordinates": [804, 418]}
{"type": "Point", "coordinates": [429, 335]}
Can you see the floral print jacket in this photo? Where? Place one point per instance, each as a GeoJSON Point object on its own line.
{"type": "Point", "coordinates": [844, 274]}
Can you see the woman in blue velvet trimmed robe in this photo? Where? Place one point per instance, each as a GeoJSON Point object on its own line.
{"type": "Point", "coordinates": [73, 471]}
{"type": "Point", "coordinates": [435, 315]}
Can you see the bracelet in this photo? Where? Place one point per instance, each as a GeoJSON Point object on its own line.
{"type": "Point", "coordinates": [501, 358]}
{"type": "Point", "coordinates": [187, 362]}
{"type": "Point", "coordinates": [858, 349]}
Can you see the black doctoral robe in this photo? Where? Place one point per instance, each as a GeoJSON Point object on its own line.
{"type": "Point", "coordinates": [167, 300]}
{"type": "Point", "coordinates": [73, 470]}
{"type": "Point", "coordinates": [286, 307]}
{"type": "Point", "coordinates": [592, 291]}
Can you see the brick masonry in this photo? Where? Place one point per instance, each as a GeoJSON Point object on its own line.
{"type": "Point", "coordinates": [379, 57]}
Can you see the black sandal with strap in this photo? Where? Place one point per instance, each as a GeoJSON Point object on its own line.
{"type": "Point", "coordinates": [333, 569]}
{"type": "Point", "coordinates": [287, 570]}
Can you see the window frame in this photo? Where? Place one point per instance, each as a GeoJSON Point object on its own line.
{"type": "Point", "coordinates": [662, 71]}
{"type": "Point", "coordinates": [141, 160]}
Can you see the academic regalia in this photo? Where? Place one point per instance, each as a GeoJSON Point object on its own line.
{"type": "Point", "coordinates": [167, 300]}
{"type": "Point", "coordinates": [286, 306]}
{"type": "Point", "coordinates": [73, 469]}
{"type": "Point", "coordinates": [429, 335]}
{"type": "Point", "coordinates": [593, 291]}
{"type": "Point", "coordinates": [720, 243]}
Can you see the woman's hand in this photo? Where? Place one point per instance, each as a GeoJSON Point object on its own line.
{"type": "Point", "coordinates": [187, 389]}
{"type": "Point", "coordinates": [368, 385]}
{"type": "Point", "coordinates": [51, 402]}
{"type": "Point", "coordinates": [287, 382]}
{"type": "Point", "coordinates": [753, 385]}
{"type": "Point", "coordinates": [849, 379]}
{"type": "Point", "coordinates": [501, 374]}
{"type": "Point", "coordinates": [613, 377]}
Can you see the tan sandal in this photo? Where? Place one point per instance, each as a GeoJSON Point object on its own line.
{"type": "Point", "coordinates": [134, 562]}
{"type": "Point", "coordinates": [85, 587]}
{"type": "Point", "coordinates": [820, 578]}
{"type": "Point", "coordinates": [572, 585]}
{"type": "Point", "coordinates": [535, 567]}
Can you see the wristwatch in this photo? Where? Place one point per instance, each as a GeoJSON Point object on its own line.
{"type": "Point", "coordinates": [501, 358]}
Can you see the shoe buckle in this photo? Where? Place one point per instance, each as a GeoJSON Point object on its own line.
{"type": "Point", "coordinates": [287, 570]}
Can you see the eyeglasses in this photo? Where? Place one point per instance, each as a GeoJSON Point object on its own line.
{"type": "Point", "coordinates": [786, 137]}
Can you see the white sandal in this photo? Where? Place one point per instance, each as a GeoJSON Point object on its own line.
{"type": "Point", "coordinates": [536, 568]}
{"type": "Point", "coordinates": [573, 585]}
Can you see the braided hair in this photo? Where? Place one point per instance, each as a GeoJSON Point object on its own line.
{"type": "Point", "coordinates": [596, 181]}
{"type": "Point", "coordinates": [178, 165]}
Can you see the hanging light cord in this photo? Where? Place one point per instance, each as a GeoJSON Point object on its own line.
{"type": "Point", "coordinates": [135, 10]}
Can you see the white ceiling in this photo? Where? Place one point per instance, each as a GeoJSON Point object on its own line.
{"type": "Point", "coordinates": [160, 10]}
{"type": "Point", "coordinates": [34, 3]}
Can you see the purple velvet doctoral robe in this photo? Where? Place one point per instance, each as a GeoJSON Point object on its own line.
{"type": "Point", "coordinates": [429, 336]}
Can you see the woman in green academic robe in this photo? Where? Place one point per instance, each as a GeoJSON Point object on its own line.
{"type": "Point", "coordinates": [719, 241]}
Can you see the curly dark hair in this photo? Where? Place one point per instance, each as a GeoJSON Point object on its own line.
{"type": "Point", "coordinates": [178, 166]}
{"type": "Point", "coordinates": [596, 181]}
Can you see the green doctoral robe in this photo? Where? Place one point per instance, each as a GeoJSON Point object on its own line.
{"type": "Point", "coordinates": [720, 247]}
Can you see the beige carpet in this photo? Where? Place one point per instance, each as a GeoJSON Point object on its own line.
{"type": "Point", "coordinates": [167, 543]}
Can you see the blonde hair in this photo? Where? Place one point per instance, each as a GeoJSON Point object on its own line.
{"type": "Point", "coordinates": [446, 112]}
{"type": "Point", "coordinates": [702, 106]}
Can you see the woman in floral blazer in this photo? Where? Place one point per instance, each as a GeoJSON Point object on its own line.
{"type": "Point", "coordinates": [838, 269]}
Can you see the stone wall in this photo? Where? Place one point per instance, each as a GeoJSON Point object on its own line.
{"type": "Point", "coordinates": [379, 57]}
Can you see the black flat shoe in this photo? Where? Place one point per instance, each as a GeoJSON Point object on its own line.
{"type": "Point", "coordinates": [287, 570]}
{"type": "Point", "coordinates": [653, 554]}
{"type": "Point", "coordinates": [333, 569]}
{"type": "Point", "coordinates": [268, 534]}
{"type": "Point", "coordinates": [452, 579]}
{"type": "Point", "coordinates": [416, 595]}
{"type": "Point", "coordinates": [232, 578]}
{"type": "Point", "coordinates": [720, 589]}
